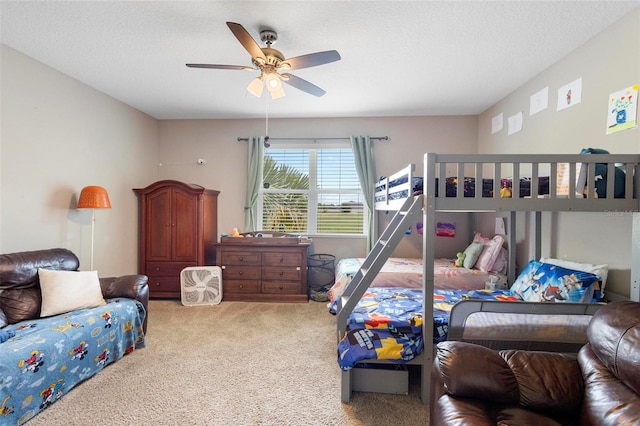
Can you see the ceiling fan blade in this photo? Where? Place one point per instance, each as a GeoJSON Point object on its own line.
{"type": "Point", "coordinates": [221, 67]}
{"type": "Point", "coordinates": [312, 59]}
{"type": "Point", "coordinates": [247, 41]}
{"type": "Point", "coordinates": [302, 84]}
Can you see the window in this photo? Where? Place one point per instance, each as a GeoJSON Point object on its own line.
{"type": "Point", "coordinates": [311, 189]}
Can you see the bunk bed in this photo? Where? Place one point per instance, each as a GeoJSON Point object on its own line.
{"type": "Point", "coordinates": [448, 184]}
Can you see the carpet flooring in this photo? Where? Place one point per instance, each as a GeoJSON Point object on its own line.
{"type": "Point", "coordinates": [235, 363]}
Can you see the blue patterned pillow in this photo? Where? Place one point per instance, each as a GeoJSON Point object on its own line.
{"type": "Point", "coordinates": [545, 282]}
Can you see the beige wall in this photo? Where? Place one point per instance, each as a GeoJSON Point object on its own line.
{"type": "Point", "coordinates": [607, 63]}
{"type": "Point", "coordinates": [183, 142]}
{"type": "Point", "coordinates": [59, 135]}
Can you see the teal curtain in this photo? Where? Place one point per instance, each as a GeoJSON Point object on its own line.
{"type": "Point", "coordinates": [255, 165]}
{"type": "Point", "coordinates": [365, 165]}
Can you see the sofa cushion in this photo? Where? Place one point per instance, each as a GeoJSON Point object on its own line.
{"type": "Point", "coordinates": [542, 381]}
{"type": "Point", "coordinates": [65, 291]}
{"type": "Point", "coordinates": [467, 370]}
{"type": "Point", "coordinates": [547, 381]}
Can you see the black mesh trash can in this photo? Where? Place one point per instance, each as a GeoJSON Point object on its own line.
{"type": "Point", "coordinates": [320, 276]}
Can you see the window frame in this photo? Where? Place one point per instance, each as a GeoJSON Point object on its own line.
{"type": "Point", "coordinates": [312, 193]}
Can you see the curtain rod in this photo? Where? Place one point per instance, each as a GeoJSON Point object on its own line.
{"type": "Point", "coordinates": [380, 138]}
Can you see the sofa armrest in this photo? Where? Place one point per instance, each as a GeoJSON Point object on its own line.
{"type": "Point", "coordinates": [3, 319]}
{"type": "Point", "coordinates": [131, 286]}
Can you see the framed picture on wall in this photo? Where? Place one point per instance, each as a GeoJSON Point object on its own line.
{"type": "Point", "coordinates": [623, 109]}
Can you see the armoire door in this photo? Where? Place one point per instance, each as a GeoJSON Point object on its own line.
{"type": "Point", "coordinates": [158, 233]}
{"type": "Point", "coordinates": [184, 227]}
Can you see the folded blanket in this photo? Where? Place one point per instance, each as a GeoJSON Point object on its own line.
{"type": "Point", "coordinates": [6, 335]}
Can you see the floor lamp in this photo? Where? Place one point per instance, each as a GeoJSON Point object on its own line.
{"type": "Point", "coordinates": [93, 197]}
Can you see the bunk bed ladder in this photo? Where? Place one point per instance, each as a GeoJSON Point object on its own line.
{"type": "Point", "coordinates": [410, 212]}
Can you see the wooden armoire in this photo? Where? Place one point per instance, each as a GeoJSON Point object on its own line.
{"type": "Point", "coordinates": [178, 228]}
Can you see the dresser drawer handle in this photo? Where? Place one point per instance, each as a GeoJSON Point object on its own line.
{"type": "Point", "coordinates": [281, 259]}
{"type": "Point", "coordinates": [240, 273]}
{"type": "Point", "coordinates": [281, 274]}
{"type": "Point", "coordinates": [281, 287]}
{"type": "Point", "coordinates": [240, 258]}
{"type": "Point", "coordinates": [241, 286]}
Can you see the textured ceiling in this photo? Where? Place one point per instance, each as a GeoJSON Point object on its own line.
{"type": "Point", "coordinates": [398, 57]}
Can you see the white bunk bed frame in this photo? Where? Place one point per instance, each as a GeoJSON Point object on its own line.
{"type": "Point", "coordinates": [408, 209]}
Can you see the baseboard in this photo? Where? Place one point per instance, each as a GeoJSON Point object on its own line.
{"type": "Point", "coordinates": [614, 297]}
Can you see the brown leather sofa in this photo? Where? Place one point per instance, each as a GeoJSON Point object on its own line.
{"type": "Point", "coordinates": [19, 286]}
{"type": "Point", "coordinates": [474, 385]}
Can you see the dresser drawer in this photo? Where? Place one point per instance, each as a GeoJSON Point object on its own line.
{"type": "Point", "coordinates": [240, 258]}
{"type": "Point", "coordinates": [240, 286]}
{"type": "Point", "coordinates": [281, 287]}
{"type": "Point", "coordinates": [161, 269]}
{"type": "Point", "coordinates": [281, 258]}
{"type": "Point", "coordinates": [241, 272]}
{"type": "Point", "coordinates": [164, 284]}
{"type": "Point", "coordinates": [281, 273]}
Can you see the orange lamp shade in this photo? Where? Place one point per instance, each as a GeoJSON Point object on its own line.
{"type": "Point", "coordinates": [94, 197]}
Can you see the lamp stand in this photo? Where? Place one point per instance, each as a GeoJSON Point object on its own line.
{"type": "Point", "coordinates": [93, 225]}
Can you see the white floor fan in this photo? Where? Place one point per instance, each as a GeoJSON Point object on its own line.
{"type": "Point", "coordinates": [201, 285]}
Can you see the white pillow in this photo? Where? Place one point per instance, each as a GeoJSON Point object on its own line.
{"type": "Point", "coordinates": [66, 291]}
{"type": "Point", "coordinates": [602, 270]}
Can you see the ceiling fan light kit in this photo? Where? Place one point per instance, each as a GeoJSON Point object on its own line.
{"type": "Point", "coordinates": [269, 61]}
{"type": "Point", "coordinates": [255, 87]}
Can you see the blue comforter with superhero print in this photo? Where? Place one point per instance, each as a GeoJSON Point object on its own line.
{"type": "Point", "coordinates": [47, 357]}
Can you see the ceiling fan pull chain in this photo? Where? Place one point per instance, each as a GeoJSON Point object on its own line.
{"type": "Point", "coordinates": [266, 125]}
{"type": "Point", "coordinates": [266, 110]}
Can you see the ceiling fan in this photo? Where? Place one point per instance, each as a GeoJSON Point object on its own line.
{"type": "Point", "coordinates": [270, 61]}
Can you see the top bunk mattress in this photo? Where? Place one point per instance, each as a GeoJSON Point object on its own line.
{"type": "Point", "coordinates": [522, 182]}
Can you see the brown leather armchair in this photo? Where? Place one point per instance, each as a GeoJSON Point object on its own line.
{"type": "Point", "coordinates": [474, 385]}
{"type": "Point", "coordinates": [19, 286]}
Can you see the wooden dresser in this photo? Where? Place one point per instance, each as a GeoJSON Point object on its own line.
{"type": "Point", "coordinates": [263, 269]}
{"type": "Point", "coordinates": [178, 228]}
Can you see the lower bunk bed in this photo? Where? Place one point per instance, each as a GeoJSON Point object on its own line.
{"type": "Point", "coordinates": [386, 325]}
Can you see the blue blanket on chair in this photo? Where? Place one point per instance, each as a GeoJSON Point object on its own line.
{"type": "Point", "coordinates": [48, 356]}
